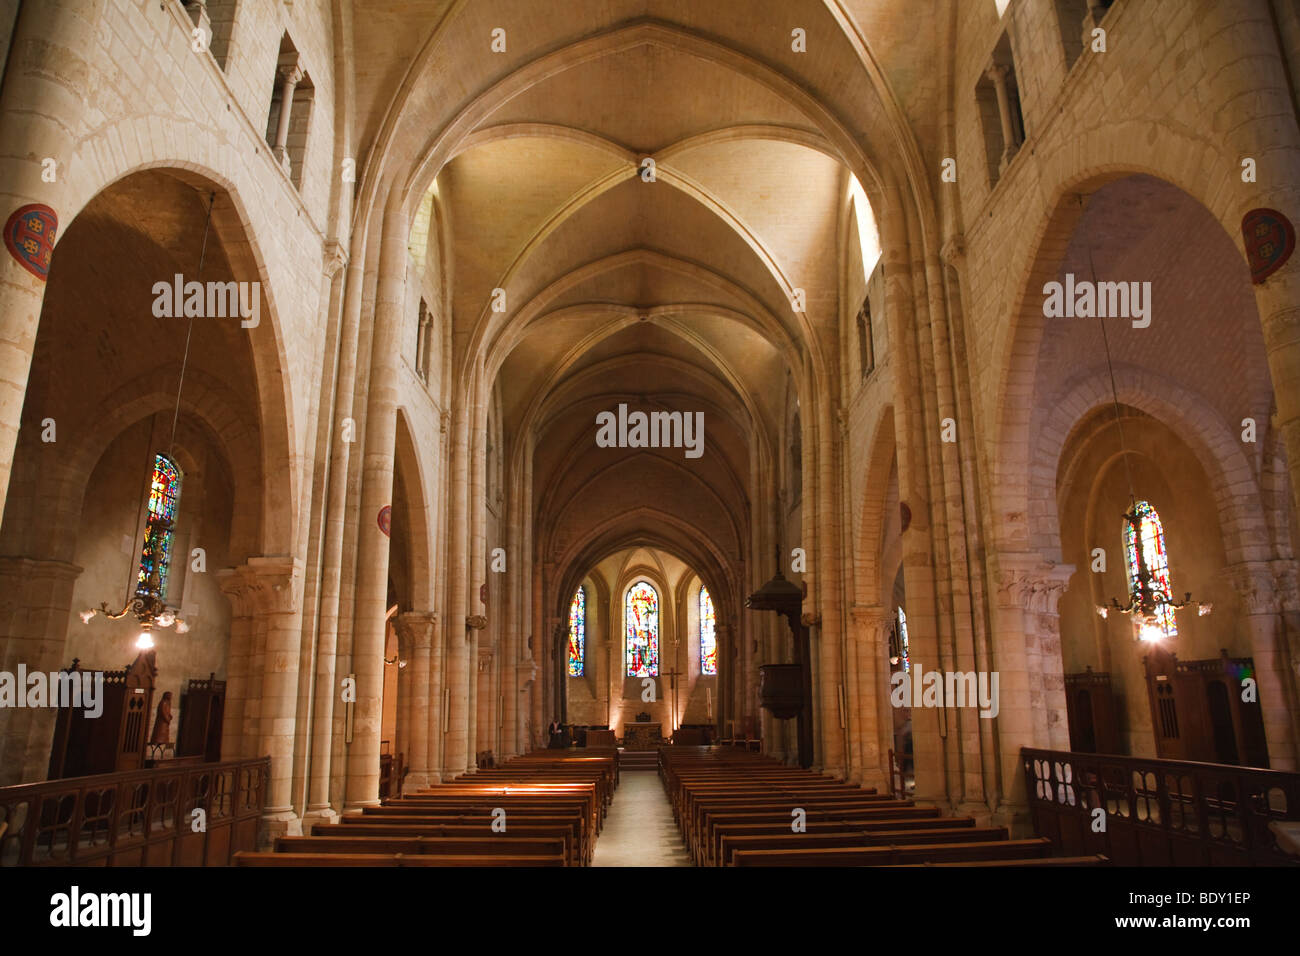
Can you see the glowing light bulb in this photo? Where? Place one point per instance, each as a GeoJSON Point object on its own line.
{"type": "Point", "coordinates": [1151, 632]}
{"type": "Point", "coordinates": [144, 642]}
{"type": "Point", "coordinates": [1103, 611]}
{"type": "Point", "coordinates": [86, 615]}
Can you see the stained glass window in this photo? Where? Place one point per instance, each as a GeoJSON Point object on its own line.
{"type": "Point", "coordinates": [1157, 560]}
{"type": "Point", "coordinates": [708, 635]}
{"type": "Point", "coordinates": [577, 631]}
{"type": "Point", "coordinates": [641, 618]}
{"type": "Point", "coordinates": [164, 496]}
{"type": "Point", "coordinates": [904, 654]}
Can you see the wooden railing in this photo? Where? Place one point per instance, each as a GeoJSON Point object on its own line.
{"type": "Point", "coordinates": [1159, 812]}
{"type": "Point", "coordinates": [137, 817]}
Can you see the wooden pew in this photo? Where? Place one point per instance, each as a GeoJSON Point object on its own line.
{"type": "Point", "coordinates": [1097, 860]}
{"type": "Point", "coordinates": [568, 834]}
{"type": "Point", "coordinates": [732, 843]}
{"type": "Point", "coordinates": [715, 823]}
{"type": "Point", "coordinates": [498, 844]}
{"type": "Point", "coordinates": [1018, 850]}
{"type": "Point", "coordinates": [246, 858]}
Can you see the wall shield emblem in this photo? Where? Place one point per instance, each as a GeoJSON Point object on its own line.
{"type": "Point", "coordinates": [386, 519]}
{"type": "Point", "coordinates": [1270, 240]}
{"type": "Point", "coordinates": [29, 237]}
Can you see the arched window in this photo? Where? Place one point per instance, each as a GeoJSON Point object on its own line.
{"type": "Point", "coordinates": [577, 632]}
{"type": "Point", "coordinates": [708, 636]}
{"type": "Point", "coordinates": [155, 556]}
{"type": "Point", "coordinates": [641, 619]}
{"type": "Point", "coordinates": [1156, 557]}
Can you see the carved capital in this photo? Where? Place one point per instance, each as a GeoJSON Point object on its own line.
{"type": "Point", "coordinates": [237, 589]}
{"type": "Point", "coordinates": [1286, 582]}
{"type": "Point", "coordinates": [1256, 586]}
{"type": "Point", "coordinates": [1029, 582]}
{"type": "Point", "coordinates": [415, 628]}
{"type": "Point", "coordinates": [953, 251]}
{"type": "Point", "coordinates": [289, 68]}
{"type": "Point", "coordinates": [476, 622]}
{"type": "Point", "coordinates": [997, 73]}
{"type": "Point", "coordinates": [334, 256]}
{"type": "Point", "coordinates": [875, 619]}
{"type": "Point", "coordinates": [265, 585]}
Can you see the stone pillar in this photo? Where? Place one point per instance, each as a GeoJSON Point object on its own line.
{"type": "Point", "coordinates": [37, 608]}
{"type": "Point", "coordinates": [998, 75]}
{"type": "Point", "coordinates": [1263, 591]}
{"type": "Point", "coordinates": [455, 733]}
{"type": "Point", "coordinates": [422, 347]}
{"type": "Point", "coordinates": [1031, 683]}
{"type": "Point", "coordinates": [1255, 100]}
{"type": "Point", "coordinates": [276, 586]}
{"type": "Point", "coordinates": [869, 643]}
{"type": "Point", "coordinates": [289, 73]}
{"type": "Point", "coordinates": [415, 633]}
{"type": "Point", "coordinates": [238, 663]}
{"type": "Point", "coordinates": [370, 606]}
{"type": "Point", "coordinates": [38, 95]}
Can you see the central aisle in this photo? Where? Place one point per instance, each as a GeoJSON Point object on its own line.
{"type": "Point", "coordinates": [639, 830]}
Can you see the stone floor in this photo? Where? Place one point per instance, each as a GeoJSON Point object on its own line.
{"type": "Point", "coordinates": [639, 830]}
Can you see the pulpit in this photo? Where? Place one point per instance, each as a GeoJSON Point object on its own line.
{"type": "Point", "coordinates": [642, 735]}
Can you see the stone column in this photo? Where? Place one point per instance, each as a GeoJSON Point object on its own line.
{"type": "Point", "coordinates": [998, 75]}
{"type": "Point", "coordinates": [276, 585]}
{"type": "Point", "coordinates": [239, 592]}
{"type": "Point", "coordinates": [290, 73]}
{"type": "Point", "coordinates": [1031, 683]}
{"type": "Point", "coordinates": [455, 733]}
{"type": "Point", "coordinates": [370, 606]}
{"type": "Point", "coordinates": [1263, 590]}
{"type": "Point", "coordinates": [870, 697]}
{"type": "Point", "coordinates": [38, 95]}
{"type": "Point", "coordinates": [415, 632]}
{"type": "Point", "coordinates": [37, 607]}
{"type": "Point", "coordinates": [422, 347]}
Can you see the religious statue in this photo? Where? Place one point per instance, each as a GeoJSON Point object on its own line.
{"type": "Point", "coordinates": [162, 724]}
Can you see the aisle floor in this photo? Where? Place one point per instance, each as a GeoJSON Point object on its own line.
{"type": "Point", "coordinates": [639, 830]}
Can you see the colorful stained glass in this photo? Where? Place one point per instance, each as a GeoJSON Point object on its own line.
{"type": "Point", "coordinates": [577, 631]}
{"type": "Point", "coordinates": [641, 619]}
{"type": "Point", "coordinates": [1156, 557]}
{"type": "Point", "coordinates": [903, 653]}
{"type": "Point", "coordinates": [164, 497]}
{"type": "Point", "coordinates": [708, 635]}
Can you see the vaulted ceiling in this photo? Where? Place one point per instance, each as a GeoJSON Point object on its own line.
{"type": "Point", "coordinates": [707, 286]}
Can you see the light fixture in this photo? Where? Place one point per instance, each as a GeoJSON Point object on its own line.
{"type": "Point", "coordinates": [145, 594]}
{"type": "Point", "coordinates": [1148, 603]}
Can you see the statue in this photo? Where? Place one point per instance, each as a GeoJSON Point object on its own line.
{"type": "Point", "coordinates": [162, 725]}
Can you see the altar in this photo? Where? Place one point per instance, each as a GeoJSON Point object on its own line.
{"type": "Point", "coordinates": [642, 735]}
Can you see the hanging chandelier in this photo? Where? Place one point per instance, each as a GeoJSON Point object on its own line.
{"type": "Point", "coordinates": [146, 598]}
{"type": "Point", "coordinates": [1150, 603]}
